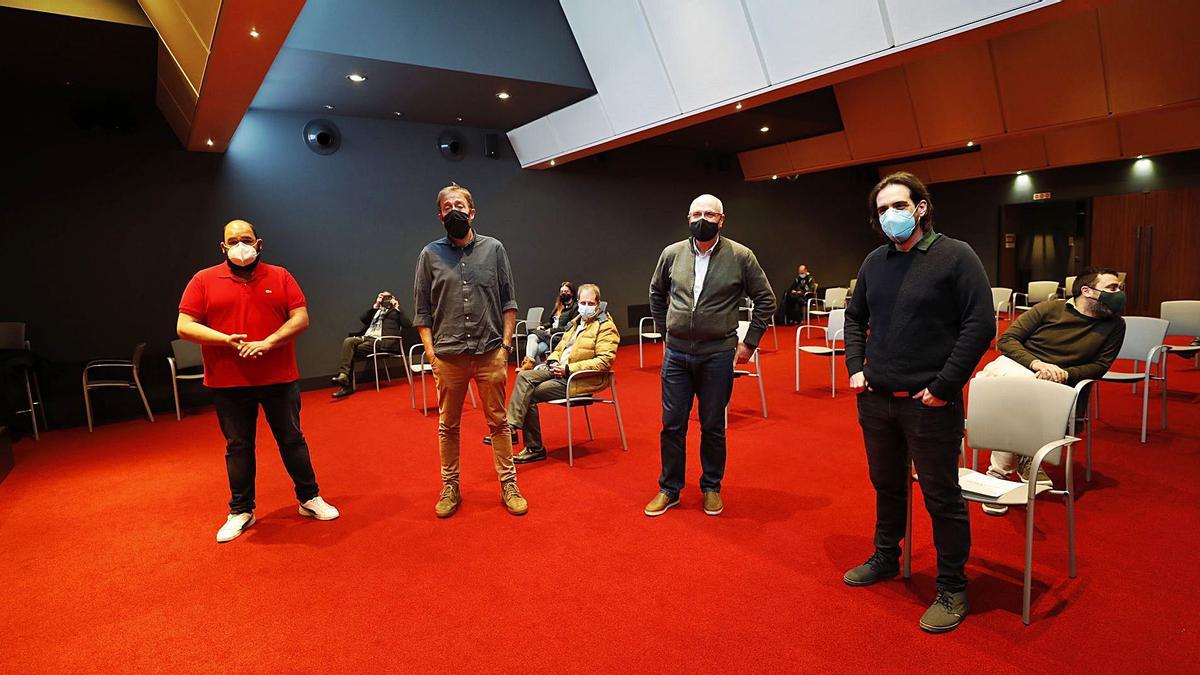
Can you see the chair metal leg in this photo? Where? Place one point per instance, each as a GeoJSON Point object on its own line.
{"type": "Point", "coordinates": [32, 410]}
{"type": "Point", "coordinates": [37, 392]}
{"type": "Point", "coordinates": [1145, 401]}
{"type": "Point", "coordinates": [137, 383]}
{"type": "Point", "coordinates": [570, 440]}
{"type": "Point", "coordinates": [471, 393]}
{"type": "Point", "coordinates": [797, 361]}
{"type": "Point", "coordinates": [641, 361]}
{"type": "Point", "coordinates": [1027, 591]}
{"type": "Point", "coordinates": [587, 418]}
{"type": "Point", "coordinates": [175, 391]}
{"type": "Point", "coordinates": [375, 362]}
{"type": "Point", "coordinates": [762, 392]}
{"type": "Point", "coordinates": [833, 376]}
{"type": "Point", "coordinates": [412, 393]}
{"type": "Point", "coordinates": [775, 333]}
{"type": "Point", "coordinates": [87, 401]}
{"type": "Point", "coordinates": [620, 423]}
{"type": "Point", "coordinates": [424, 400]}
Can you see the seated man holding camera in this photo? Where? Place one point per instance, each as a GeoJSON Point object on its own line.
{"type": "Point", "coordinates": [1063, 341]}
{"type": "Point", "coordinates": [383, 318]}
{"type": "Point", "coordinates": [590, 343]}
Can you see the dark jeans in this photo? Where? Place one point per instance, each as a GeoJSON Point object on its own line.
{"type": "Point", "coordinates": [708, 378]}
{"type": "Point", "coordinates": [895, 429]}
{"type": "Point", "coordinates": [356, 348]}
{"type": "Point", "coordinates": [237, 412]}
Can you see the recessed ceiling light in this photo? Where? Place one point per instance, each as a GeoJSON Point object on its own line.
{"type": "Point", "coordinates": [327, 107]}
{"type": "Point", "coordinates": [355, 77]}
{"type": "Point", "coordinates": [1020, 173]}
{"type": "Point", "coordinates": [737, 107]}
{"type": "Point", "coordinates": [458, 118]}
{"type": "Point", "coordinates": [397, 113]}
{"type": "Point", "coordinates": [551, 162]}
{"type": "Point", "coordinates": [774, 177]}
{"type": "Point", "coordinates": [765, 129]}
{"type": "Point", "coordinates": [503, 96]}
{"type": "Point", "coordinates": [253, 32]}
{"type": "Point", "coordinates": [970, 143]}
{"type": "Point", "coordinates": [208, 142]}
{"type": "Point", "coordinates": [1141, 157]}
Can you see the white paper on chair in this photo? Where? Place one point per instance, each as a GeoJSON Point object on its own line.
{"type": "Point", "coordinates": [983, 484]}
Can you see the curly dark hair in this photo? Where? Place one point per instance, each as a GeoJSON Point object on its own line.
{"type": "Point", "coordinates": [916, 189]}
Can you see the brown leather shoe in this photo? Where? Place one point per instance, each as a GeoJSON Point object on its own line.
{"type": "Point", "coordinates": [527, 364]}
{"type": "Point", "coordinates": [448, 501]}
{"type": "Point", "coordinates": [510, 496]}
{"type": "Point", "coordinates": [659, 505]}
{"type": "Point", "coordinates": [713, 505]}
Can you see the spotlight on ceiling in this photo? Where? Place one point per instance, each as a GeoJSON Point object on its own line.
{"type": "Point", "coordinates": [551, 162]}
{"type": "Point", "coordinates": [503, 96]}
{"type": "Point", "coordinates": [458, 118]}
{"type": "Point", "coordinates": [737, 107]}
{"type": "Point", "coordinates": [398, 113]}
{"type": "Point", "coordinates": [774, 176]}
{"type": "Point", "coordinates": [765, 129]}
{"type": "Point", "coordinates": [253, 32]}
{"type": "Point", "coordinates": [1141, 157]}
{"type": "Point", "coordinates": [209, 142]}
{"type": "Point", "coordinates": [327, 107]}
{"type": "Point", "coordinates": [355, 77]}
{"type": "Point", "coordinates": [970, 143]}
{"type": "Point", "coordinates": [1020, 173]}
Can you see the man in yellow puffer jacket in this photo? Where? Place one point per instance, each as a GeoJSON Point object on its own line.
{"type": "Point", "coordinates": [590, 343]}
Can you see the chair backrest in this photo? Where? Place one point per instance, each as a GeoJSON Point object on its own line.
{"type": "Point", "coordinates": [533, 317]}
{"type": "Point", "coordinates": [835, 297]}
{"type": "Point", "coordinates": [853, 283]}
{"type": "Point", "coordinates": [1040, 291]}
{"type": "Point", "coordinates": [1121, 279]}
{"type": "Point", "coordinates": [836, 330]}
{"type": "Point", "coordinates": [1184, 316]}
{"type": "Point", "coordinates": [742, 329]}
{"type": "Point", "coordinates": [1142, 333]}
{"type": "Point", "coordinates": [137, 354]}
{"type": "Point", "coordinates": [1017, 414]}
{"type": "Point", "coordinates": [1000, 298]}
{"type": "Point", "coordinates": [1068, 286]}
{"type": "Point", "coordinates": [187, 354]}
{"type": "Point", "coordinates": [12, 335]}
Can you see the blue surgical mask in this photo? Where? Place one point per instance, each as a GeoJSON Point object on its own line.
{"type": "Point", "coordinates": [897, 224]}
{"type": "Point", "coordinates": [587, 311]}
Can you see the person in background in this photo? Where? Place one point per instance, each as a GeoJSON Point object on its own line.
{"type": "Point", "coordinates": [539, 341]}
{"type": "Point", "coordinates": [246, 315]}
{"type": "Point", "coordinates": [798, 294]}
{"type": "Point", "coordinates": [385, 317]}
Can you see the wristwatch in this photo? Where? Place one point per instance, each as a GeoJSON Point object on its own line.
{"type": "Point", "coordinates": [508, 348]}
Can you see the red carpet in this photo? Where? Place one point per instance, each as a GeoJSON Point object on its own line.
{"type": "Point", "coordinates": [109, 560]}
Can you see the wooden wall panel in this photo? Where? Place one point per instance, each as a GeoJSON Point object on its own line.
{"type": "Point", "coordinates": [764, 162]}
{"type": "Point", "coordinates": [954, 95]}
{"type": "Point", "coordinates": [955, 167]}
{"type": "Point", "coordinates": [917, 167]}
{"type": "Point", "coordinates": [1008, 155]}
{"type": "Point", "coordinates": [1159, 131]}
{"type": "Point", "coordinates": [877, 114]}
{"type": "Point", "coordinates": [1051, 74]}
{"type": "Point", "coordinates": [818, 151]}
{"type": "Point", "coordinates": [1083, 144]}
{"type": "Point", "coordinates": [1151, 52]}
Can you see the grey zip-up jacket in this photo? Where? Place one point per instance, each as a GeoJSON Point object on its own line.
{"type": "Point", "coordinates": [710, 326]}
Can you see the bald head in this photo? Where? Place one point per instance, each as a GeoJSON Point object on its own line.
{"type": "Point", "coordinates": [706, 203]}
{"type": "Point", "coordinates": [237, 229]}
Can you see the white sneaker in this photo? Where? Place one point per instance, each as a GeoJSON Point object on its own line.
{"type": "Point", "coordinates": [235, 525]}
{"type": "Point", "coordinates": [994, 509]}
{"type": "Point", "coordinates": [317, 508]}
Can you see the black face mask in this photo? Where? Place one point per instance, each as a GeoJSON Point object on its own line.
{"type": "Point", "coordinates": [457, 223]}
{"type": "Point", "coordinates": [565, 297]}
{"type": "Point", "coordinates": [703, 230]}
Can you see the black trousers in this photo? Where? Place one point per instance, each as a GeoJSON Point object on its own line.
{"type": "Point", "coordinates": [707, 378]}
{"type": "Point", "coordinates": [353, 349]}
{"type": "Point", "coordinates": [895, 429]}
{"type": "Point", "coordinates": [237, 412]}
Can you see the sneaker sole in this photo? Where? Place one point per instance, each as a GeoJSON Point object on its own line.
{"type": "Point", "coordinates": [995, 510]}
{"type": "Point", "coordinates": [448, 513]}
{"type": "Point", "coordinates": [715, 513]}
{"type": "Point", "coordinates": [661, 511]}
{"type": "Point", "coordinates": [313, 514]}
{"type": "Point", "coordinates": [940, 629]}
{"type": "Point", "coordinates": [850, 582]}
{"type": "Point", "coordinates": [245, 527]}
{"type": "Point", "coordinates": [529, 460]}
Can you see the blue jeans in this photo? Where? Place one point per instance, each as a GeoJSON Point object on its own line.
{"type": "Point", "coordinates": [709, 379]}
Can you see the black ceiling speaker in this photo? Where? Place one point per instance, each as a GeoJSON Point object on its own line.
{"type": "Point", "coordinates": [451, 145]}
{"type": "Point", "coordinates": [322, 137]}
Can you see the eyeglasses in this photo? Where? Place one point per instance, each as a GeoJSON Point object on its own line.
{"type": "Point", "coordinates": [707, 215]}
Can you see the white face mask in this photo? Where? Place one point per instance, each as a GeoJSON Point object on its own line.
{"type": "Point", "coordinates": [587, 311]}
{"type": "Point", "coordinates": [242, 254]}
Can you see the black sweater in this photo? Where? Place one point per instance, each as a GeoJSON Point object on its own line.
{"type": "Point", "coordinates": [921, 319]}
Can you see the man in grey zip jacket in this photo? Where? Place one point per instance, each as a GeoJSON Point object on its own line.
{"type": "Point", "coordinates": [695, 292]}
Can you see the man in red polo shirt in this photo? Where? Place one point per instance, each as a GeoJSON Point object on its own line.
{"type": "Point", "coordinates": [245, 314]}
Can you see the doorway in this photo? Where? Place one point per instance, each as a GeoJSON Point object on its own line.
{"type": "Point", "coordinates": [1043, 241]}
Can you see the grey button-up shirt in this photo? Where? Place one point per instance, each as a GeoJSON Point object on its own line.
{"type": "Point", "coordinates": [461, 293]}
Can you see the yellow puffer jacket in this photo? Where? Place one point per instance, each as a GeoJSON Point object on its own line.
{"type": "Point", "coordinates": [594, 349]}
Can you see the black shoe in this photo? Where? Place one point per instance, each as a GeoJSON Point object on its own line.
{"type": "Point", "coordinates": [487, 440]}
{"type": "Point", "coordinates": [342, 379]}
{"type": "Point", "coordinates": [343, 392]}
{"type": "Point", "coordinates": [529, 455]}
{"type": "Point", "coordinates": [877, 568]}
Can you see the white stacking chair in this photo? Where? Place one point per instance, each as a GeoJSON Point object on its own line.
{"type": "Point", "coordinates": [1143, 343]}
{"type": "Point", "coordinates": [1001, 302]}
{"type": "Point", "coordinates": [533, 319]}
{"type": "Point", "coordinates": [1068, 285]}
{"type": "Point", "coordinates": [12, 336]}
{"type": "Point", "coordinates": [1027, 417]}
{"type": "Point", "coordinates": [376, 356]}
{"type": "Point", "coordinates": [835, 298]}
{"type": "Point", "coordinates": [186, 363]}
{"type": "Point", "coordinates": [652, 334]}
{"type": "Point", "coordinates": [850, 290]}
{"type": "Point", "coordinates": [1184, 316]}
{"type": "Point", "coordinates": [738, 373]}
{"type": "Point", "coordinates": [133, 382]}
{"type": "Point", "coordinates": [1037, 291]}
{"type": "Point", "coordinates": [585, 401]}
{"type": "Point", "coordinates": [420, 367]}
{"type": "Point", "coordinates": [747, 308]}
{"type": "Point", "coordinates": [835, 334]}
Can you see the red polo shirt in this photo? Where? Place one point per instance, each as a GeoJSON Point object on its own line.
{"type": "Point", "coordinates": [220, 300]}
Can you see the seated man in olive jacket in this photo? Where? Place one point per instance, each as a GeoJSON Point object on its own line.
{"type": "Point", "coordinates": [384, 318]}
{"type": "Point", "coordinates": [590, 343]}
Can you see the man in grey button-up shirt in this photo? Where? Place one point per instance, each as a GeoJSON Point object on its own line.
{"type": "Point", "coordinates": [466, 311]}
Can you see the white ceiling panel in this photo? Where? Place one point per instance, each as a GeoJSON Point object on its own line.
{"type": "Point", "coordinates": [917, 19]}
{"type": "Point", "coordinates": [534, 141]}
{"type": "Point", "coordinates": [581, 123]}
{"type": "Point", "coordinates": [707, 48]}
{"type": "Point", "coordinates": [799, 37]}
{"type": "Point", "coordinates": [620, 54]}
